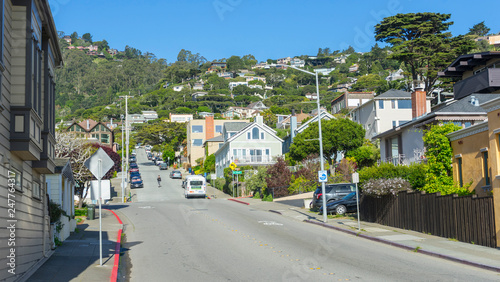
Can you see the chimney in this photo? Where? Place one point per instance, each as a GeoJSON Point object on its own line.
{"type": "Point", "coordinates": [209, 127]}
{"type": "Point", "coordinates": [293, 126]}
{"type": "Point", "coordinates": [418, 103]}
{"type": "Point", "coordinates": [259, 119]}
{"type": "Point", "coordinates": [88, 125]}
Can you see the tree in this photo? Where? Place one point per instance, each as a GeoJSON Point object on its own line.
{"type": "Point", "coordinates": [339, 136]}
{"type": "Point", "coordinates": [421, 42]}
{"type": "Point", "coordinates": [278, 177]}
{"type": "Point", "coordinates": [479, 29]}
{"type": "Point", "coordinates": [366, 155]}
{"type": "Point", "coordinates": [369, 82]}
{"type": "Point", "coordinates": [439, 155]}
{"type": "Point", "coordinates": [78, 151]}
{"type": "Point", "coordinates": [87, 37]}
{"type": "Point", "coordinates": [235, 63]}
{"type": "Point", "coordinates": [74, 37]}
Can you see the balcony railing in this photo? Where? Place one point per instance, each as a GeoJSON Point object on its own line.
{"type": "Point", "coordinates": [262, 159]}
{"type": "Point", "coordinates": [483, 82]}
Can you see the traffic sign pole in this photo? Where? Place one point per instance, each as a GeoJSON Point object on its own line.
{"type": "Point", "coordinates": [100, 216]}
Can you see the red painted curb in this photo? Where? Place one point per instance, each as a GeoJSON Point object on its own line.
{"type": "Point", "coordinates": [241, 202]}
{"type": "Point", "coordinates": [116, 263]}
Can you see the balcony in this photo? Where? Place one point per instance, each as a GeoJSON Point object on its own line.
{"type": "Point", "coordinates": [487, 81]}
{"type": "Point", "coordinates": [258, 160]}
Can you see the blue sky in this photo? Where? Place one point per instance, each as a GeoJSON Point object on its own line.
{"type": "Point", "coordinates": [266, 29]}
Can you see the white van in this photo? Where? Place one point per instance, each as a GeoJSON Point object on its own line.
{"type": "Point", "coordinates": [195, 186]}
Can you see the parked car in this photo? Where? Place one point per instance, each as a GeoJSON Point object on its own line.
{"type": "Point", "coordinates": [176, 174]}
{"type": "Point", "coordinates": [134, 165]}
{"type": "Point", "coordinates": [333, 192]}
{"type": "Point", "coordinates": [163, 166]}
{"type": "Point", "coordinates": [342, 206]}
{"type": "Point", "coordinates": [136, 182]}
{"type": "Point", "coordinates": [133, 159]}
{"type": "Point", "coordinates": [133, 169]}
{"type": "Point", "coordinates": [134, 173]}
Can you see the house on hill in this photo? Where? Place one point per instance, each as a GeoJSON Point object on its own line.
{"type": "Point", "coordinates": [93, 131]}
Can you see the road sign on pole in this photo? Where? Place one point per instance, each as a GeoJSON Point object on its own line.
{"type": "Point", "coordinates": [355, 179]}
{"type": "Point", "coordinates": [322, 176]}
{"type": "Point", "coordinates": [237, 172]}
{"type": "Point", "coordinates": [232, 166]}
{"type": "Point", "coordinates": [99, 164]}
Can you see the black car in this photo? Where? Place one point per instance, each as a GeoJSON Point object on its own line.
{"type": "Point", "coordinates": [133, 165]}
{"type": "Point", "coordinates": [342, 206]}
{"type": "Point", "coordinates": [333, 192]}
{"type": "Point", "coordinates": [136, 182]}
{"type": "Point", "coordinates": [133, 159]}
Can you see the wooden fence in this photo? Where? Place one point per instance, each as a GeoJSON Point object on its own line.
{"type": "Point", "coordinates": [467, 218]}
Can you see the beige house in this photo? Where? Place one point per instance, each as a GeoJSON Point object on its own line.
{"type": "Point", "coordinates": [199, 131]}
{"type": "Point", "coordinates": [29, 54]}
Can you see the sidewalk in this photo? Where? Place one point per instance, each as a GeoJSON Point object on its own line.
{"type": "Point", "coordinates": [470, 254]}
{"type": "Point", "coordinates": [78, 257]}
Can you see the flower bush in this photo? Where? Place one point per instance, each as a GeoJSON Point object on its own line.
{"type": "Point", "coordinates": [391, 186]}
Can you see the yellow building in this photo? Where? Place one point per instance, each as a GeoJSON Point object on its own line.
{"type": "Point", "coordinates": [476, 149]}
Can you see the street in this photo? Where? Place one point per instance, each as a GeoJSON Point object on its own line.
{"type": "Point", "coordinates": [170, 238]}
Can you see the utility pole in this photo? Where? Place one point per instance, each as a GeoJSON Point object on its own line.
{"type": "Point", "coordinates": [123, 166]}
{"type": "Point", "coordinates": [127, 129]}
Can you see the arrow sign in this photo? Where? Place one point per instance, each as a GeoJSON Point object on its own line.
{"type": "Point", "coordinates": [92, 163]}
{"type": "Point", "coordinates": [322, 176]}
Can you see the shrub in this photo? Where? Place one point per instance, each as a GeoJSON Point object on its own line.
{"type": "Point", "coordinates": [379, 187]}
{"type": "Point", "coordinates": [55, 212]}
{"type": "Point", "coordinates": [414, 174]}
{"type": "Point", "coordinates": [301, 184]}
{"type": "Point", "coordinates": [256, 195]}
{"type": "Point", "coordinates": [268, 198]}
{"type": "Point", "coordinates": [81, 212]}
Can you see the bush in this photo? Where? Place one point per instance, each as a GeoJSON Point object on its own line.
{"type": "Point", "coordinates": [301, 184]}
{"type": "Point", "coordinates": [414, 174]}
{"type": "Point", "coordinates": [81, 212]}
{"type": "Point", "coordinates": [256, 195]}
{"type": "Point", "coordinates": [268, 198]}
{"type": "Point", "coordinates": [380, 187]}
{"type": "Point", "coordinates": [55, 212]}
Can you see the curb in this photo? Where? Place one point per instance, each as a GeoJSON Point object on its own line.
{"type": "Point", "coordinates": [116, 263]}
{"type": "Point", "coordinates": [429, 253]}
{"type": "Point", "coordinates": [241, 202]}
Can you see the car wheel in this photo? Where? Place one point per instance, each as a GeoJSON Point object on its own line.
{"type": "Point", "coordinates": [341, 209]}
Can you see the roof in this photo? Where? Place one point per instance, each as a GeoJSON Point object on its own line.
{"type": "Point", "coordinates": [218, 138]}
{"type": "Point", "coordinates": [468, 62]}
{"type": "Point", "coordinates": [235, 126]}
{"type": "Point", "coordinates": [455, 108]}
{"type": "Point", "coordinates": [393, 93]}
{"type": "Point", "coordinates": [464, 106]}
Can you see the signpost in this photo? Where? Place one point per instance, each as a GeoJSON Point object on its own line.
{"type": "Point", "coordinates": [355, 179]}
{"type": "Point", "coordinates": [99, 164]}
{"type": "Point", "coordinates": [322, 176]}
{"type": "Point", "coordinates": [233, 166]}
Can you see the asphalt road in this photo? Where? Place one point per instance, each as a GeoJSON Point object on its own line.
{"type": "Point", "coordinates": [170, 238]}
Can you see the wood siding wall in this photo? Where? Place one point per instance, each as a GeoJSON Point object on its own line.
{"type": "Point", "coordinates": [468, 218]}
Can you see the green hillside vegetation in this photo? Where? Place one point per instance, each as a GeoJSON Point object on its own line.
{"type": "Point", "coordinates": [89, 86]}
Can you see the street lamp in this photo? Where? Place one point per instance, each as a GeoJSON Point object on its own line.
{"type": "Point", "coordinates": [123, 164]}
{"type": "Point", "coordinates": [320, 139]}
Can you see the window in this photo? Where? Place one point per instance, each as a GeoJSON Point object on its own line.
{"type": "Point", "coordinates": [17, 176]}
{"type": "Point", "coordinates": [460, 176]}
{"type": "Point", "coordinates": [404, 104]}
{"type": "Point", "coordinates": [381, 104]}
{"type": "Point", "coordinates": [255, 133]}
{"type": "Point", "coordinates": [485, 167]}
{"type": "Point", "coordinates": [393, 104]}
{"type": "Point", "coordinates": [262, 135]}
{"type": "Point", "coordinates": [394, 123]}
{"type": "Point", "coordinates": [36, 190]}
{"type": "Point", "coordinates": [457, 123]}
{"type": "Point", "coordinates": [218, 128]}
{"type": "Point", "coordinates": [197, 129]}
{"type": "Point", "coordinates": [197, 142]}
{"type": "Point", "coordinates": [249, 136]}
{"type": "Point", "coordinates": [403, 122]}
{"type": "Point", "coordinates": [104, 138]}
{"type": "Point", "coordinates": [467, 124]}
{"type": "Point", "coordinates": [220, 145]}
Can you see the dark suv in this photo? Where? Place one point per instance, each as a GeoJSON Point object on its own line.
{"type": "Point", "coordinates": [333, 192]}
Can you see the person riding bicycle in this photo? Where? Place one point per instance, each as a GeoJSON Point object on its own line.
{"type": "Point", "coordinates": [159, 180]}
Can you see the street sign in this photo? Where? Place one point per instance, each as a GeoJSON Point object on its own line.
{"type": "Point", "coordinates": [92, 163]}
{"type": "Point", "coordinates": [232, 166]}
{"type": "Point", "coordinates": [322, 176]}
{"type": "Point", "coordinates": [237, 172]}
{"type": "Point", "coordinates": [355, 177]}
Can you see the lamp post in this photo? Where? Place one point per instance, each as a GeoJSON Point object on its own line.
{"type": "Point", "coordinates": [123, 166]}
{"type": "Point", "coordinates": [325, 218]}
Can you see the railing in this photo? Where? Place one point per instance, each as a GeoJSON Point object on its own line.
{"type": "Point", "coordinates": [401, 159]}
{"type": "Point", "coordinates": [264, 159]}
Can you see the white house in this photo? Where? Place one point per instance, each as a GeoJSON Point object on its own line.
{"type": "Point", "coordinates": [255, 144]}
{"type": "Point", "coordinates": [385, 111]}
{"type": "Point", "coordinates": [61, 190]}
{"type": "Point", "coordinates": [237, 83]}
{"type": "Point", "coordinates": [178, 88]}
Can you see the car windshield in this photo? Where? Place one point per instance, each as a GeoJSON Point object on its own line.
{"type": "Point", "coordinates": [196, 182]}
